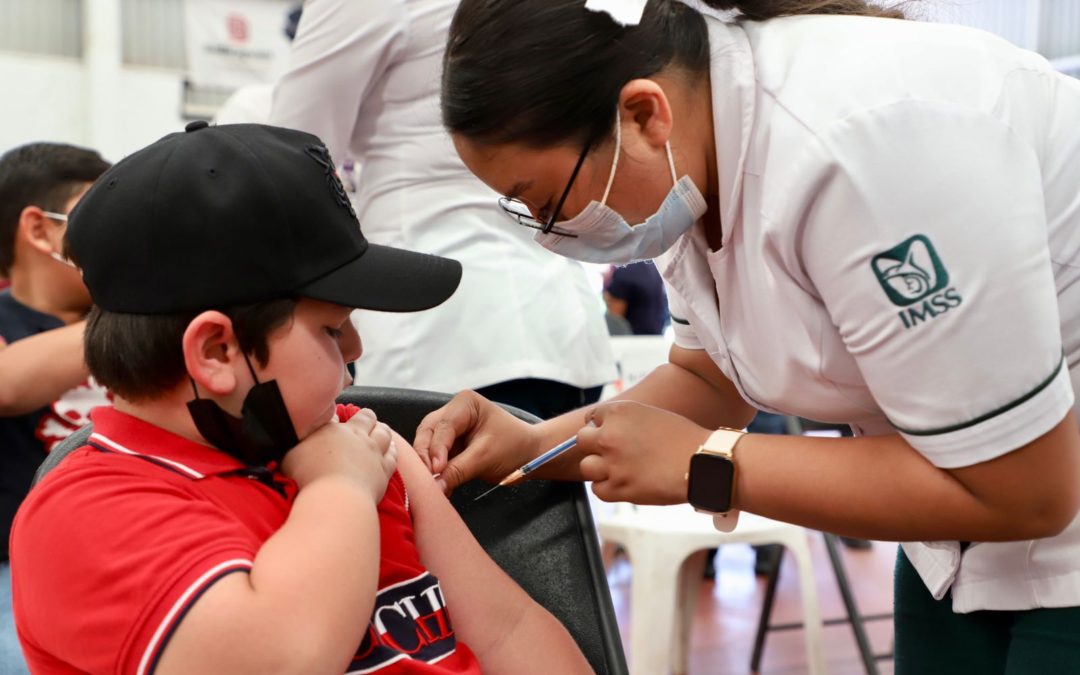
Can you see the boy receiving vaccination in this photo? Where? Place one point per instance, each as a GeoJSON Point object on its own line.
{"type": "Point", "coordinates": [225, 516]}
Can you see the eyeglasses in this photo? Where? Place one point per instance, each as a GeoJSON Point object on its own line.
{"type": "Point", "coordinates": [520, 213]}
{"type": "Point", "coordinates": [59, 217]}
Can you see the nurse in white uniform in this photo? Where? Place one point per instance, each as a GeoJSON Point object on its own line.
{"type": "Point", "coordinates": [859, 219]}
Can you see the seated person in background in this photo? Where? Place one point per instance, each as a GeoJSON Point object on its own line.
{"type": "Point", "coordinates": [636, 292]}
{"type": "Point", "coordinates": [226, 516]}
{"type": "Point", "coordinates": [44, 391]}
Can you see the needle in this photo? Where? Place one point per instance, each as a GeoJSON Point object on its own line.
{"type": "Point", "coordinates": [530, 466]}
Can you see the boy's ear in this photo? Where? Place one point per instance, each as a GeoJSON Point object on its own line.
{"type": "Point", "coordinates": [34, 229]}
{"type": "Point", "coordinates": [212, 353]}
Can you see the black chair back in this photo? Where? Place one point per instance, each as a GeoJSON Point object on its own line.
{"type": "Point", "coordinates": [540, 532]}
{"type": "Point", "coordinates": [62, 450]}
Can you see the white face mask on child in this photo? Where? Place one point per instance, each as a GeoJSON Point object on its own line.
{"type": "Point", "coordinates": [603, 236]}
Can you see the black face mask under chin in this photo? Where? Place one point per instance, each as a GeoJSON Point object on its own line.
{"type": "Point", "coordinates": [262, 434]}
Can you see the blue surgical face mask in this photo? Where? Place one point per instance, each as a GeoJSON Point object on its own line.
{"type": "Point", "coordinates": [603, 236]}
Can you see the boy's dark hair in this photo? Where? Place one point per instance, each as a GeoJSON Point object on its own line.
{"type": "Point", "coordinates": [40, 174]}
{"type": "Point", "coordinates": [140, 357]}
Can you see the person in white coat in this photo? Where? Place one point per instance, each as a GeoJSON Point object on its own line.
{"type": "Point", "coordinates": [859, 219]}
{"type": "Point", "coordinates": [525, 327]}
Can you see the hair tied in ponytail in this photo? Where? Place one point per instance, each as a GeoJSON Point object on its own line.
{"type": "Point", "coordinates": [762, 10]}
{"type": "Point", "coordinates": [624, 12]}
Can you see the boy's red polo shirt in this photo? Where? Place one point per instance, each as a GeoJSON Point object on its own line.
{"type": "Point", "coordinates": [115, 545]}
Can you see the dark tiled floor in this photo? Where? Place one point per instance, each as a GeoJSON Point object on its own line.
{"type": "Point", "coordinates": [728, 609]}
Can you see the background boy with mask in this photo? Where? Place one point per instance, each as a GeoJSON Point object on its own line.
{"type": "Point", "coordinates": [222, 320]}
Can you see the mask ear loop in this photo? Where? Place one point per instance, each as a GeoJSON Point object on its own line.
{"type": "Point", "coordinates": [61, 259]}
{"type": "Point", "coordinates": [671, 163]}
{"type": "Point", "coordinates": [255, 377]}
{"type": "Point", "coordinates": [250, 368]}
{"type": "Point", "coordinates": [615, 159]}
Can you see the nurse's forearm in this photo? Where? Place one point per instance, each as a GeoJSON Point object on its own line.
{"type": "Point", "coordinates": [681, 391]}
{"type": "Point", "coordinates": [672, 387]}
{"type": "Point", "coordinates": [881, 488]}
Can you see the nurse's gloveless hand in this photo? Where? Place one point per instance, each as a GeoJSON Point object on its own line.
{"type": "Point", "coordinates": [638, 453]}
{"type": "Point", "coordinates": [471, 437]}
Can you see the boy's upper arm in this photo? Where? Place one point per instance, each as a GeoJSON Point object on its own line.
{"type": "Point", "coordinates": [504, 627]}
{"type": "Point", "coordinates": [483, 600]}
{"type": "Point", "coordinates": [196, 645]}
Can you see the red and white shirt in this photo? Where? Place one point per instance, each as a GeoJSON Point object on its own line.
{"type": "Point", "coordinates": [116, 545]}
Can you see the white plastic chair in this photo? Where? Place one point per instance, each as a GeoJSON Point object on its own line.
{"type": "Point", "coordinates": [667, 546]}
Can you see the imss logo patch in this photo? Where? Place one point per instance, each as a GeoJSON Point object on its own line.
{"type": "Point", "coordinates": [914, 278]}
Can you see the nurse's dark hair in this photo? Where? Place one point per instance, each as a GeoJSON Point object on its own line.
{"type": "Point", "coordinates": [546, 72]}
{"type": "Point", "coordinates": [760, 10]}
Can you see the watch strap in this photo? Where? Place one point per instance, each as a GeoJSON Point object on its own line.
{"type": "Point", "coordinates": [722, 442]}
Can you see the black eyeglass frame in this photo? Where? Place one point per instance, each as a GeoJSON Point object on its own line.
{"type": "Point", "coordinates": [548, 227]}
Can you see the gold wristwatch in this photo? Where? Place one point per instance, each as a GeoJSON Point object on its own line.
{"type": "Point", "coordinates": [711, 479]}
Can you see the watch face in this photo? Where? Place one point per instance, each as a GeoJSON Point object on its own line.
{"type": "Point", "coordinates": [711, 481]}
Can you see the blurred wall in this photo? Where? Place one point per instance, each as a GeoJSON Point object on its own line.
{"type": "Point", "coordinates": [110, 73]}
{"type": "Point", "coordinates": [51, 100]}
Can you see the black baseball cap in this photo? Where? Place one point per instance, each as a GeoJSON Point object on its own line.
{"type": "Point", "coordinates": [220, 216]}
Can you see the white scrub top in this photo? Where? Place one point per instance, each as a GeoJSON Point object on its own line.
{"type": "Point", "coordinates": [364, 76]}
{"type": "Point", "coordinates": [900, 206]}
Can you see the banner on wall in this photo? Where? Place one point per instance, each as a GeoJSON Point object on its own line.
{"type": "Point", "coordinates": [232, 43]}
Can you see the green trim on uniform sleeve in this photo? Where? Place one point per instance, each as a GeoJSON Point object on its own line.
{"type": "Point", "coordinates": [993, 413]}
{"type": "Point", "coordinates": [681, 322]}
